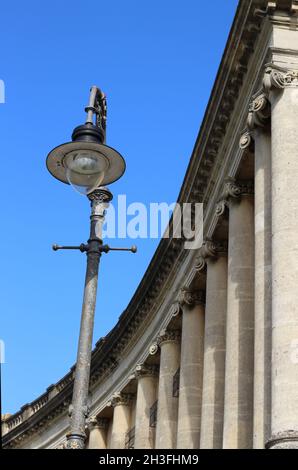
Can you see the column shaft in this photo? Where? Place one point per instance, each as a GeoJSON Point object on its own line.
{"type": "Point", "coordinates": [214, 354]}
{"type": "Point", "coordinates": [121, 421]}
{"type": "Point", "coordinates": [284, 268]}
{"type": "Point", "coordinates": [262, 359]}
{"type": "Point", "coordinates": [167, 415]}
{"type": "Point", "coordinates": [238, 412]}
{"type": "Point", "coordinates": [146, 397]}
{"type": "Point", "coordinates": [191, 377]}
{"type": "Point", "coordinates": [98, 434]}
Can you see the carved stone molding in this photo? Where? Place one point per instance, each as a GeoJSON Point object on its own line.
{"type": "Point", "coordinates": [121, 399]}
{"type": "Point", "coordinates": [96, 422]}
{"type": "Point", "coordinates": [146, 370]}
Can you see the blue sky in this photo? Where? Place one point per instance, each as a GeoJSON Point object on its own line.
{"type": "Point", "coordinates": [156, 61]}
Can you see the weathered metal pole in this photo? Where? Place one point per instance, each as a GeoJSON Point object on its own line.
{"type": "Point", "coordinates": [79, 407]}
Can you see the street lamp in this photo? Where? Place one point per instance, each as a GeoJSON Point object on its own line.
{"type": "Point", "coordinates": [88, 164]}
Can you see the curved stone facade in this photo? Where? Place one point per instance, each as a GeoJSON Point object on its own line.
{"type": "Point", "coordinates": [190, 362]}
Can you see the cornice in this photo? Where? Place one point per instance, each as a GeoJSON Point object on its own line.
{"type": "Point", "coordinates": [170, 253]}
{"type": "Point", "coordinates": [274, 8]}
{"type": "Point", "coordinates": [233, 68]}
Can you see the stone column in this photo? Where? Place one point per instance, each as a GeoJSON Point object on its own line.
{"type": "Point", "coordinates": [259, 130]}
{"type": "Point", "coordinates": [282, 87]}
{"type": "Point", "coordinates": [238, 406]}
{"type": "Point", "coordinates": [97, 433]}
{"type": "Point", "coordinates": [167, 414]}
{"type": "Point", "coordinates": [214, 347]}
{"type": "Point", "coordinates": [121, 403]}
{"type": "Point", "coordinates": [147, 376]}
{"type": "Point", "coordinates": [191, 369]}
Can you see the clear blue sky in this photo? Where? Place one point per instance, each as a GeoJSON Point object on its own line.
{"type": "Point", "coordinates": [156, 61]}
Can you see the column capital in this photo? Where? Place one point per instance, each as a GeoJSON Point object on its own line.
{"type": "Point", "coordinates": [233, 190]}
{"type": "Point", "coordinates": [164, 336]}
{"type": "Point", "coordinates": [210, 250]}
{"type": "Point", "coordinates": [146, 370]}
{"type": "Point", "coordinates": [97, 422]}
{"type": "Point", "coordinates": [275, 79]}
{"type": "Point", "coordinates": [167, 335]}
{"type": "Point", "coordinates": [191, 297]}
{"type": "Point", "coordinates": [120, 398]}
{"type": "Point", "coordinates": [278, 78]}
{"type": "Point", "coordinates": [259, 114]}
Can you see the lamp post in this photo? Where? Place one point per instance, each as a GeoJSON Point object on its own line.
{"type": "Point", "coordinates": [88, 164]}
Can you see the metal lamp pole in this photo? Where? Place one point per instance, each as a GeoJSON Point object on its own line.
{"type": "Point", "coordinates": [100, 198]}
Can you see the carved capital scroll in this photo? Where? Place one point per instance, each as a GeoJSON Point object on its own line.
{"type": "Point", "coordinates": [258, 117]}
{"type": "Point", "coordinates": [275, 79]}
{"type": "Point", "coordinates": [259, 112]}
{"type": "Point", "coordinates": [96, 422]}
{"type": "Point", "coordinates": [176, 309]}
{"type": "Point", "coordinates": [278, 78]}
{"type": "Point", "coordinates": [190, 298]}
{"type": "Point", "coordinates": [221, 208]}
{"type": "Point", "coordinates": [146, 370]}
{"type": "Point", "coordinates": [120, 398]}
{"type": "Point", "coordinates": [210, 249]}
{"type": "Point", "coordinates": [153, 348]}
{"type": "Point", "coordinates": [245, 139]}
{"type": "Point", "coordinates": [233, 190]}
{"type": "Point", "coordinates": [167, 335]}
{"type": "Point", "coordinates": [236, 189]}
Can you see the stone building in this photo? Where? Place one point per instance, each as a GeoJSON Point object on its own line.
{"type": "Point", "coordinates": [206, 353]}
